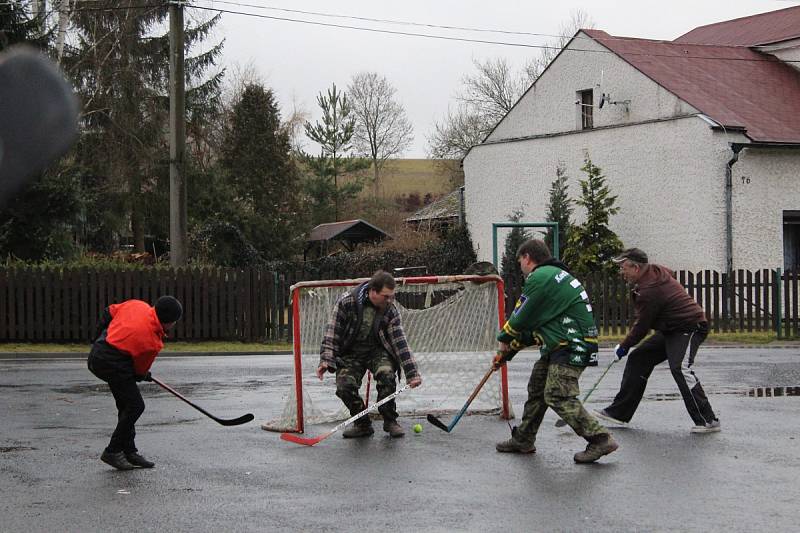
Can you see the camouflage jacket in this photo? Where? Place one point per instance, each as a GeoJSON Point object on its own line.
{"type": "Point", "coordinates": [345, 321]}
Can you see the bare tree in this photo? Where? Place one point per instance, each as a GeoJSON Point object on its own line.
{"type": "Point", "coordinates": [294, 125]}
{"type": "Point", "coordinates": [493, 90]}
{"type": "Point", "coordinates": [485, 98]}
{"type": "Point", "coordinates": [579, 19]}
{"type": "Point", "coordinates": [488, 94]}
{"type": "Point", "coordinates": [382, 129]}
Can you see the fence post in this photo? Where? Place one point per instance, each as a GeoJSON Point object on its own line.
{"type": "Point", "coordinates": [778, 302]}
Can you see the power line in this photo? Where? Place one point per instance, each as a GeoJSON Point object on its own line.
{"type": "Point", "coordinates": [481, 41]}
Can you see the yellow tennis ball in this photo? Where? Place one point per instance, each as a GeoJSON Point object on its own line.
{"type": "Point", "coordinates": [417, 428]}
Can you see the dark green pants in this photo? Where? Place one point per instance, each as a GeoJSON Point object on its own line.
{"type": "Point", "coordinates": [556, 386]}
{"type": "Point", "coordinates": [350, 372]}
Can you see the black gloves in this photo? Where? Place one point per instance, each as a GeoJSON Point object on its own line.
{"type": "Point", "coordinates": [144, 377]}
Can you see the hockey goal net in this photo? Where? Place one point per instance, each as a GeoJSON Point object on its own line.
{"type": "Point", "coordinates": [450, 323]}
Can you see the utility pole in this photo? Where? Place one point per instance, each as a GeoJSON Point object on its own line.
{"type": "Point", "coordinates": [178, 227]}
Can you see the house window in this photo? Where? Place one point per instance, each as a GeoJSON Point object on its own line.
{"type": "Point", "coordinates": [791, 240]}
{"type": "Point", "coordinates": [586, 99]}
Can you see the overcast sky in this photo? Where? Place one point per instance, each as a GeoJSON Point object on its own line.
{"type": "Point", "coordinates": [298, 60]}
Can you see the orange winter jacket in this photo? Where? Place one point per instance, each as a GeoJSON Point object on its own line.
{"type": "Point", "coordinates": [136, 331]}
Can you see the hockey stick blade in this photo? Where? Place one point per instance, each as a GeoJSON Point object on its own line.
{"type": "Point", "coordinates": [244, 419]}
{"type": "Point", "coordinates": [438, 423]}
{"type": "Point", "coordinates": [311, 441]}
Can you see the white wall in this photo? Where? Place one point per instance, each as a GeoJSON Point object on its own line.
{"type": "Point", "coordinates": [771, 185]}
{"type": "Point", "coordinates": [549, 106]}
{"type": "Point", "coordinates": [669, 177]}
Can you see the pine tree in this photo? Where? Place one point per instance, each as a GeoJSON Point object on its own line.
{"type": "Point", "coordinates": [334, 135]}
{"type": "Point", "coordinates": [256, 158]}
{"type": "Point", "coordinates": [119, 66]}
{"type": "Point", "coordinates": [509, 266]}
{"type": "Point", "coordinates": [591, 245]}
{"type": "Point", "coordinates": [559, 210]}
{"type": "Point", "coordinates": [18, 26]}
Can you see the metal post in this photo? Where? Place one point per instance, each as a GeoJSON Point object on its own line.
{"type": "Point", "coordinates": [178, 227]}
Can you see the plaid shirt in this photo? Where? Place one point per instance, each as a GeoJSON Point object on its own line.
{"type": "Point", "coordinates": [345, 320]}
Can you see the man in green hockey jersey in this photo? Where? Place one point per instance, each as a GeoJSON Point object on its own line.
{"type": "Point", "coordinates": [554, 313]}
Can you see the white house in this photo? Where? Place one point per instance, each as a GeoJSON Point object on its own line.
{"type": "Point", "coordinates": [699, 137]}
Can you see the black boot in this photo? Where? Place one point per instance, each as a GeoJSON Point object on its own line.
{"type": "Point", "coordinates": [117, 460]}
{"type": "Point", "coordinates": [137, 460]}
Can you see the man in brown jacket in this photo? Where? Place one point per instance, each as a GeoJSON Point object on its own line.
{"type": "Point", "coordinates": [661, 303]}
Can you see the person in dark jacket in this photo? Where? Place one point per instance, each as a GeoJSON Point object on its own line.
{"type": "Point", "coordinates": [662, 304]}
{"type": "Point", "coordinates": [365, 333]}
{"type": "Point", "coordinates": [129, 336]}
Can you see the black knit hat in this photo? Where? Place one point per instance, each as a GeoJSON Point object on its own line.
{"type": "Point", "coordinates": [168, 309]}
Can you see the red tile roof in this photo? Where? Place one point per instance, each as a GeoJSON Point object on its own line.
{"type": "Point", "coordinates": [766, 28]}
{"type": "Point", "coordinates": [735, 86]}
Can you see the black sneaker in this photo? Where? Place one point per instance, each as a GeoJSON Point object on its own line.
{"type": "Point", "coordinates": [137, 460]}
{"type": "Point", "coordinates": [117, 460]}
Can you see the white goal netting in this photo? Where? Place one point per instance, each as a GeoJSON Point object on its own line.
{"type": "Point", "coordinates": [450, 323]}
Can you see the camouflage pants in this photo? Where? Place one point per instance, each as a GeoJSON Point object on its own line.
{"type": "Point", "coordinates": [351, 370]}
{"type": "Point", "coordinates": [556, 386]}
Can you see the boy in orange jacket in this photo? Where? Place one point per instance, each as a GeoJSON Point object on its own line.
{"type": "Point", "coordinates": [129, 336]}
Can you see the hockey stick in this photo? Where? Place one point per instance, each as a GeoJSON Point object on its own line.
{"type": "Point", "coordinates": [448, 428]}
{"type": "Point", "coordinates": [310, 441]}
{"type": "Point", "coordinates": [224, 421]}
{"type": "Point", "coordinates": [560, 422]}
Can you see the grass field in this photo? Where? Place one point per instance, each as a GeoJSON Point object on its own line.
{"type": "Point", "coordinates": [410, 176]}
{"type": "Point", "coordinates": [718, 339]}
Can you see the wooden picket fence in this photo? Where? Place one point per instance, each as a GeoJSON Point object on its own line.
{"type": "Point", "coordinates": [45, 304]}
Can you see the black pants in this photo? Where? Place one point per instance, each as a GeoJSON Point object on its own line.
{"type": "Point", "coordinates": [679, 350]}
{"type": "Point", "coordinates": [130, 407]}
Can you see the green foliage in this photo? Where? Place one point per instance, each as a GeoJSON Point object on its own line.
{"type": "Point", "coordinates": [119, 66]}
{"type": "Point", "coordinates": [334, 135]}
{"type": "Point", "coordinates": [509, 266]}
{"type": "Point", "coordinates": [448, 254]}
{"type": "Point", "coordinates": [18, 26]}
{"type": "Point", "coordinates": [221, 243]}
{"type": "Point", "coordinates": [262, 175]}
{"type": "Point", "coordinates": [37, 223]}
{"type": "Point", "coordinates": [559, 210]}
{"type": "Point", "coordinates": [591, 245]}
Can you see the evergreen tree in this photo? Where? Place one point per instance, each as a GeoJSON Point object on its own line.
{"type": "Point", "coordinates": [256, 159]}
{"type": "Point", "coordinates": [334, 135]}
{"type": "Point", "coordinates": [120, 68]}
{"type": "Point", "coordinates": [559, 210]}
{"type": "Point", "coordinates": [509, 266]}
{"type": "Point", "coordinates": [591, 245]}
{"type": "Point", "coordinates": [18, 26]}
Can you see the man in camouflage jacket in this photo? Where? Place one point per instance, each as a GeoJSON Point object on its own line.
{"type": "Point", "coordinates": [365, 333]}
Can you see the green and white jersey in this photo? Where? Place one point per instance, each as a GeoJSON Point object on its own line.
{"type": "Point", "coordinates": [553, 311]}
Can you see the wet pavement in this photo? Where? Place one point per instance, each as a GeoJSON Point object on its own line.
{"type": "Point", "coordinates": [56, 419]}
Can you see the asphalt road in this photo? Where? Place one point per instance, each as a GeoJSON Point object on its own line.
{"type": "Point", "coordinates": [56, 419]}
